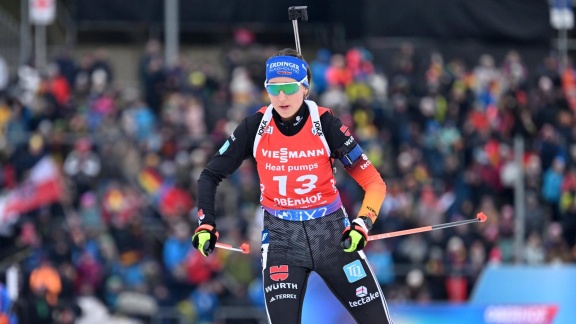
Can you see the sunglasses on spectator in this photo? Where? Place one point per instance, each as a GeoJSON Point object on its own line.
{"type": "Point", "coordinates": [289, 88]}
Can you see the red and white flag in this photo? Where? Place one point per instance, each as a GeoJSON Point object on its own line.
{"type": "Point", "coordinates": [43, 186]}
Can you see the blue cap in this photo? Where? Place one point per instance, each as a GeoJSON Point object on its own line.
{"type": "Point", "coordinates": [287, 66]}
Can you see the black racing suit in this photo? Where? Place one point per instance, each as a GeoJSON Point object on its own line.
{"type": "Point", "coordinates": [292, 249]}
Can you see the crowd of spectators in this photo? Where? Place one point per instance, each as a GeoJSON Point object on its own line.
{"type": "Point", "coordinates": [116, 246]}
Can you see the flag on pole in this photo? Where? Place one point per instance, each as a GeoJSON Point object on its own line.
{"type": "Point", "coordinates": [43, 186]}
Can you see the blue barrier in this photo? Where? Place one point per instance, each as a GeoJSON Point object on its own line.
{"type": "Point", "coordinates": [503, 295]}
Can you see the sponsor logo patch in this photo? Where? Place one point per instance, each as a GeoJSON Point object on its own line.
{"type": "Point", "coordinates": [367, 163]}
{"type": "Point", "coordinates": [265, 237]}
{"type": "Point", "coordinates": [349, 141]}
{"type": "Point", "coordinates": [317, 129]}
{"type": "Point", "coordinates": [262, 127]}
{"type": "Point", "coordinates": [283, 296]}
{"type": "Point", "coordinates": [354, 271]}
{"type": "Point", "coordinates": [361, 291]}
{"type": "Point", "coordinates": [281, 285]}
{"type": "Point", "coordinates": [224, 147]}
{"type": "Point", "coordinates": [284, 154]}
{"type": "Point", "coordinates": [344, 129]}
{"type": "Point", "coordinates": [365, 297]}
{"type": "Point", "coordinates": [279, 273]}
{"type": "Point", "coordinates": [346, 222]}
{"type": "Point", "coordinates": [264, 247]}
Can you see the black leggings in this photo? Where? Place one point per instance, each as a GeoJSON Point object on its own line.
{"type": "Point", "coordinates": [291, 250]}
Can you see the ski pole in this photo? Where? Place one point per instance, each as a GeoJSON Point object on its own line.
{"type": "Point", "coordinates": [293, 14]}
{"type": "Point", "coordinates": [244, 248]}
{"type": "Point", "coordinates": [480, 217]}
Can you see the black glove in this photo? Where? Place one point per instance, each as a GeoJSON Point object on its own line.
{"type": "Point", "coordinates": [205, 238]}
{"type": "Point", "coordinates": [355, 236]}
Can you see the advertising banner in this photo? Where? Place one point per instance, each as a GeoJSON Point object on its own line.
{"type": "Point", "coordinates": [503, 295]}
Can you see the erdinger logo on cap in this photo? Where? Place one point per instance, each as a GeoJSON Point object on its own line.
{"type": "Point", "coordinates": [279, 273]}
{"type": "Point", "coordinates": [287, 66]}
{"type": "Point", "coordinates": [284, 65]}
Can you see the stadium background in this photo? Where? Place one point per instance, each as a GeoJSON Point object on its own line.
{"type": "Point", "coordinates": [463, 106]}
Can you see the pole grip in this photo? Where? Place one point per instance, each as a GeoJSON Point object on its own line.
{"type": "Point", "coordinates": [294, 13]}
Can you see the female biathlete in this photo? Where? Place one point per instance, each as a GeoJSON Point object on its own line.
{"type": "Point", "coordinates": [294, 143]}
